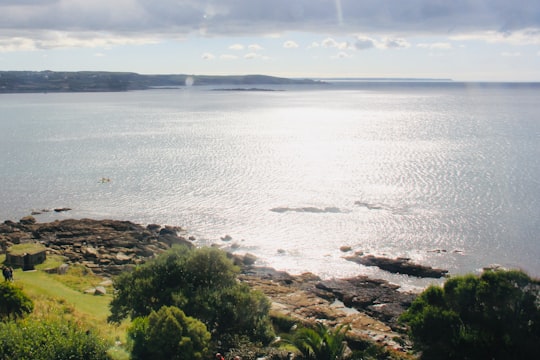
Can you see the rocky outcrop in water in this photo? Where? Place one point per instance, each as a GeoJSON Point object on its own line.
{"type": "Point", "coordinates": [398, 266]}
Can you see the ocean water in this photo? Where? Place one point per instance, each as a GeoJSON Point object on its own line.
{"type": "Point", "coordinates": [447, 174]}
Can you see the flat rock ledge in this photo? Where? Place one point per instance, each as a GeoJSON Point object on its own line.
{"type": "Point", "coordinates": [370, 306]}
{"type": "Point", "coordinates": [107, 247]}
{"type": "Point", "coordinates": [398, 266]}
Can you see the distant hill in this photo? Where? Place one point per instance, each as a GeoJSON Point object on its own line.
{"type": "Point", "coordinates": [87, 81]}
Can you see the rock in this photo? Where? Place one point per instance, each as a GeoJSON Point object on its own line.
{"type": "Point", "coordinates": [100, 290]}
{"type": "Point", "coordinates": [62, 269]}
{"type": "Point", "coordinates": [153, 227]}
{"type": "Point", "coordinates": [226, 238]}
{"type": "Point", "coordinates": [398, 266]}
{"type": "Point", "coordinates": [107, 282]}
{"type": "Point", "coordinates": [249, 259]}
{"type": "Point", "coordinates": [107, 247]}
{"type": "Point", "coordinates": [28, 220]}
{"type": "Point", "coordinates": [62, 209]}
{"type": "Point", "coordinates": [378, 298]}
{"type": "Point", "coordinates": [345, 248]}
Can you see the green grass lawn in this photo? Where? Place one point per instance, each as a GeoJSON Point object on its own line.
{"type": "Point", "coordinates": [64, 296]}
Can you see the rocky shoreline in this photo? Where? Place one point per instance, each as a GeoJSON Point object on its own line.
{"type": "Point", "coordinates": [108, 247]}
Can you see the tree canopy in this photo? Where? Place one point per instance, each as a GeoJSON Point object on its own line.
{"type": "Point", "coordinates": [492, 316]}
{"type": "Point", "coordinates": [168, 334]}
{"type": "Point", "coordinates": [203, 284]}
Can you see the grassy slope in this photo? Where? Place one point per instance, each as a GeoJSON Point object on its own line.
{"type": "Point", "coordinates": [63, 296]}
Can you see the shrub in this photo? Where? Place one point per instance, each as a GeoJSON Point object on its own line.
{"type": "Point", "coordinates": [13, 302]}
{"type": "Point", "coordinates": [496, 315]}
{"type": "Point", "coordinates": [201, 282]}
{"type": "Point", "coordinates": [168, 334]}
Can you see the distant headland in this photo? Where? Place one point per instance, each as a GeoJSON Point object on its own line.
{"type": "Point", "coordinates": [102, 81]}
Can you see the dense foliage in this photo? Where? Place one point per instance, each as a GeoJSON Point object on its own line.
{"type": "Point", "coordinates": [49, 340]}
{"type": "Point", "coordinates": [168, 334]}
{"type": "Point", "coordinates": [494, 316]}
{"type": "Point", "coordinates": [321, 343]}
{"type": "Point", "coordinates": [13, 302]}
{"type": "Point", "coordinates": [200, 282]}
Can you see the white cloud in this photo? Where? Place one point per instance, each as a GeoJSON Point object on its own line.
{"type": "Point", "coordinates": [511, 54]}
{"type": "Point", "coordinates": [363, 43]}
{"type": "Point", "coordinates": [394, 43]}
{"type": "Point", "coordinates": [314, 45]}
{"type": "Point", "coordinates": [236, 47]}
{"type": "Point", "coordinates": [331, 43]}
{"type": "Point", "coordinates": [99, 54]}
{"type": "Point", "coordinates": [289, 44]}
{"type": "Point", "coordinates": [528, 36]}
{"type": "Point", "coordinates": [87, 23]}
{"type": "Point", "coordinates": [255, 47]}
{"type": "Point", "coordinates": [252, 55]}
{"type": "Point", "coordinates": [208, 56]}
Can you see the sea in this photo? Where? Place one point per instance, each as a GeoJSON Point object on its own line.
{"type": "Point", "coordinates": [445, 173]}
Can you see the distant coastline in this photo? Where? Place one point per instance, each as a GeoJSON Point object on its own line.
{"type": "Point", "coordinates": [102, 81]}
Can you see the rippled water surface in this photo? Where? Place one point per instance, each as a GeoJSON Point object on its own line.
{"type": "Point", "coordinates": [447, 174]}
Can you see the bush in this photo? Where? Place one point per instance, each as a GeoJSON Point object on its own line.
{"type": "Point", "coordinates": [49, 340]}
{"type": "Point", "coordinates": [13, 302]}
{"type": "Point", "coordinates": [168, 334]}
{"type": "Point", "coordinates": [496, 315]}
{"type": "Point", "coordinates": [200, 282]}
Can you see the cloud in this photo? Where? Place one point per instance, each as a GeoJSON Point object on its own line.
{"type": "Point", "coordinates": [391, 43]}
{"type": "Point", "coordinates": [252, 55]}
{"type": "Point", "coordinates": [255, 47]}
{"type": "Point", "coordinates": [87, 23]}
{"type": "Point", "coordinates": [236, 47]}
{"type": "Point", "coordinates": [331, 43]}
{"type": "Point", "coordinates": [520, 37]}
{"type": "Point", "coordinates": [289, 44]}
{"type": "Point", "coordinates": [363, 43]}
{"type": "Point", "coordinates": [208, 56]}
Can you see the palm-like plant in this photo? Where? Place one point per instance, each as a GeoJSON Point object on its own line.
{"type": "Point", "coordinates": [321, 343]}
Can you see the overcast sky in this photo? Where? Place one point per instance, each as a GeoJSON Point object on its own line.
{"type": "Point", "coordinates": [468, 40]}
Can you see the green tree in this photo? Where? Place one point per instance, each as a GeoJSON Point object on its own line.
{"type": "Point", "coordinates": [168, 334]}
{"type": "Point", "coordinates": [321, 343]}
{"type": "Point", "coordinates": [201, 282]}
{"type": "Point", "coordinates": [495, 315]}
{"type": "Point", "coordinates": [13, 302]}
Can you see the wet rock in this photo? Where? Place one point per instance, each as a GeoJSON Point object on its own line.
{"type": "Point", "coordinates": [398, 266]}
{"type": "Point", "coordinates": [28, 220]}
{"type": "Point", "coordinates": [376, 297]}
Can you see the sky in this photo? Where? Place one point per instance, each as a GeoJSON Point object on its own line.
{"type": "Point", "coordinates": [464, 40]}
